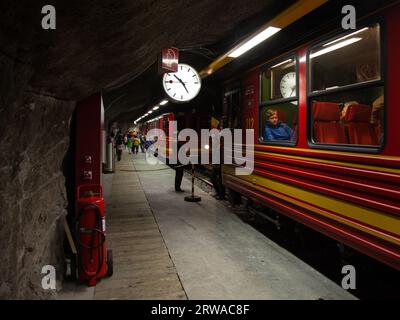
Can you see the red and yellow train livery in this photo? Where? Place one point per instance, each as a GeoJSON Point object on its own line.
{"type": "Point", "coordinates": [338, 170]}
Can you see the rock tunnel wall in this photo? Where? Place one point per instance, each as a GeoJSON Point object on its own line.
{"type": "Point", "coordinates": [66, 65]}
{"type": "Point", "coordinates": [34, 131]}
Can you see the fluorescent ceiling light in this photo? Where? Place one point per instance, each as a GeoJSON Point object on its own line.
{"type": "Point", "coordinates": [279, 64]}
{"type": "Point", "coordinates": [334, 47]}
{"type": "Point", "coordinates": [163, 102]}
{"type": "Point", "coordinates": [150, 112]}
{"type": "Point", "coordinates": [257, 39]}
{"type": "Point", "coordinates": [345, 37]}
{"type": "Point", "coordinates": [156, 107]}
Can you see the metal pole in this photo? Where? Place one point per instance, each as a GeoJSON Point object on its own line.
{"type": "Point", "coordinates": [193, 198]}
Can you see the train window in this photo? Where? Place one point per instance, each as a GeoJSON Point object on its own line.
{"type": "Point", "coordinates": [279, 103]}
{"type": "Point", "coordinates": [347, 98]}
{"type": "Point", "coordinates": [350, 59]}
{"type": "Point", "coordinates": [233, 111]}
{"type": "Point", "coordinates": [350, 117]}
{"type": "Point", "coordinates": [279, 81]}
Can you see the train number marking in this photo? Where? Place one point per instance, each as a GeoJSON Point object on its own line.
{"type": "Point", "coordinates": [249, 123]}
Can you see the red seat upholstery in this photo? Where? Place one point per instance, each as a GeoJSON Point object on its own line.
{"type": "Point", "coordinates": [360, 130]}
{"type": "Point", "coordinates": [327, 128]}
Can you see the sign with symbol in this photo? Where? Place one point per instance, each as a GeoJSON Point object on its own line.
{"type": "Point", "coordinates": [169, 59]}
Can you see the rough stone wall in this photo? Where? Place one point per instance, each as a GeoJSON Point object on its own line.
{"type": "Point", "coordinates": [96, 45]}
{"type": "Point", "coordinates": [34, 133]}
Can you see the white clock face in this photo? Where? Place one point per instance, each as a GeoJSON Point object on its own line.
{"type": "Point", "coordinates": [183, 85]}
{"type": "Point", "coordinates": [288, 85]}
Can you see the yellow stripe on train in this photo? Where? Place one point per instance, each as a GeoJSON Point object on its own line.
{"type": "Point", "coordinates": [286, 192]}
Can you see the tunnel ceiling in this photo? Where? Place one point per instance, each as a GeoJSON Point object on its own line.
{"type": "Point", "coordinates": [113, 45]}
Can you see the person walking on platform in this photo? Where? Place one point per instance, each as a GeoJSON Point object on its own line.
{"type": "Point", "coordinates": [142, 141]}
{"type": "Point", "coordinates": [178, 172]}
{"type": "Point", "coordinates": [125, 140]}
{"type": "Point", "coordinates": [216, 180]}
{"type": "Point", "coordinates": [129, 142]}
{"type": "Point", "coordinates": [119, 143]}
{"type": "Point", "coordinates": [136, 143]}
{"type": "Point", "coordinates": [178, 177]}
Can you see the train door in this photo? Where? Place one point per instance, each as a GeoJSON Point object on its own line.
{"type": "Point", "coordinates": [232, 109]}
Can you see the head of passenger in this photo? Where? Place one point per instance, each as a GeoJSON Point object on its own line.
{"type": "Point", "coordinates": [276, 130]}
{"type": "Point", "coordinates": [272, 117]}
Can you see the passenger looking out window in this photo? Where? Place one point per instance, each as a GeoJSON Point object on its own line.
{"type": "Point", "coordinates": [278, 112]}
{"type": "Point", "coordinates": [276, 130]}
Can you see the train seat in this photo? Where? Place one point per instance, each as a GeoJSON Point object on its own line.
{"type": "Point", "coordinates": [327, 128]}
{"type": "Point", "coordinates": [360, 130]}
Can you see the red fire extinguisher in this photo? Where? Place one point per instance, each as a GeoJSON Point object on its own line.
{"type": "Point", "coordinates": [94, 261]}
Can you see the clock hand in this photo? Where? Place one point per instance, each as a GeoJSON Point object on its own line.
{"type": "Point", "coordinates": [182, 83]}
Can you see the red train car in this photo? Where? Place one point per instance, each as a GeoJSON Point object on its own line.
{"type": "Point", "coordinates": [191, 120]}
{"type": "Point", "coordinates": [332, 159]}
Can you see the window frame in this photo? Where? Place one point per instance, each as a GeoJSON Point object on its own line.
{"type": "Point", "coordinates": [382, 82]}
{"type": "Point", "coordinates": [235, 89]}
{"type": "Point", "coordinates": [262, 104]}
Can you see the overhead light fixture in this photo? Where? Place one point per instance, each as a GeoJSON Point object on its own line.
{"type": "Point", "coordinates": [287, 17]}
{"type": "Point", "coordinates": [279, 64]}
{"type": "Point", "coordinates": [156, 107]}
{"type": "Point", "coordinates": [251, 43]}
{"type": "Point", "coordinates": [335, 47]}
{"type": "Point", "coordinates": [163, 102]}
{"type": "Point", "coordinates": [345, 37]}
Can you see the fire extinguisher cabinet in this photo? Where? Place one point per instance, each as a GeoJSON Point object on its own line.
{"type": "Point", "coordinates": [93, 259]}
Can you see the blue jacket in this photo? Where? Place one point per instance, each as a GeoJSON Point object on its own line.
{"type": "Point", "coordinates": [279, 132]}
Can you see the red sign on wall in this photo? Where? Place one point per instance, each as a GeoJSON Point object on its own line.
{"type": "Point", "coordinates": [169, 60]}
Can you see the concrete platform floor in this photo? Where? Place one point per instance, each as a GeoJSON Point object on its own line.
{"type": "Point", "coordinates": [212, 254]}
{"type": "Point", "coordinates": [217, 256]}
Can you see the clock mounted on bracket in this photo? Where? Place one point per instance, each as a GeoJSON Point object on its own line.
{"type": "Point", "coordinates": [183, 85]}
